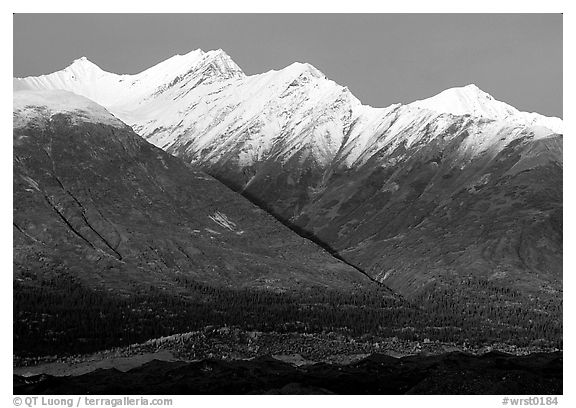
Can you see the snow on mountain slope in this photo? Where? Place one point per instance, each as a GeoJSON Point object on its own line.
{"type": "Point", "coordinates": [36, 106]}
{"type": "Point", "coordinates": [276, 114]}
{"type": "Point", "coordinates": [119, 92]}
{"type": "Point", "coordinates": [471, 100]}
{"type": "Point", "coordinates": [188, 102]}
{"type": "Point", "coordinates": [203, 108]}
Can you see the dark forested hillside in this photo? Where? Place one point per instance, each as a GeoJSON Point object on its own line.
{"type": "Point", "coordinates": [60, 316]}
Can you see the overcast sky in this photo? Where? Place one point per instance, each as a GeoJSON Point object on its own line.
{"type": "Point", "coordinates": [382, 58]}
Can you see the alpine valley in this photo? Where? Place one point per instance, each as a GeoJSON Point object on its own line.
{"type": "Point", "coordinates": [194, 201]}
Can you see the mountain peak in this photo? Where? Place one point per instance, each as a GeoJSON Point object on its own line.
{"type": "Point", "coordinates": [180, 64]}
{"type": "Point", "coordinates": [473, 89]}
{"type": "Point", "coordinates": [470, 91]}
{"type": "Point", "coordinates": [467, 100]}
{"type": "Point", "coordinates": [223, 63]}
{"type": "Point", "coordinates": [83, 61]}
{"type": "Point", "coordinates": [471, 100]}
{"type": "Point", "coordinates": [196, 52]}
{"type": "Point", "coordinates": [189, 58]}
{"type": "Point", "coordinates": [83, 65]}
{"type": "Point", "coordinates": [303, 68]}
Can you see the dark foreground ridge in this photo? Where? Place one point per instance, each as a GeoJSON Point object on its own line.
{"type": "Point", "coordinates": [451, 373]}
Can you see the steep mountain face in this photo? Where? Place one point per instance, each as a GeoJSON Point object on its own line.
{"type": "Point", "coordinates": [445, 209]}
{"type": "Point", "coordinates": [94, 200]}
{"type": "Point", "coordinates": [455, 186]}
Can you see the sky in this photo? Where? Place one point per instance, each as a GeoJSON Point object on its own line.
{"type": "Point", "coordinates": [382, 58]}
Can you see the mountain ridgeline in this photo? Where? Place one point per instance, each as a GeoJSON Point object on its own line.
{"type": "Point", "coordinates": [453, 202]}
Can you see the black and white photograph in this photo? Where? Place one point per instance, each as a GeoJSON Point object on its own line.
{"type": "Point", "coordinates": [286, 203]}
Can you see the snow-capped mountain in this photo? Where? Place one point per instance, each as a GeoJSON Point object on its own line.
{"type": "Point", "coordinates": [85, 78]}
{"type": "Point", "coordinates": [202, 107]}
{"type": "Point", "coordinates": [192, 103]}
{"type": "Point", "coordinates": [405, 192]}
{"type": "Point", "coordinates": [471, 100]}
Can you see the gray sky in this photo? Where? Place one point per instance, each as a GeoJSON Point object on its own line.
{"type": "Point", "coordinates": [382, 58]}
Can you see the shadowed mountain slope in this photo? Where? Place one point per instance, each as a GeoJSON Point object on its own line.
{"type": "Point", "coordinates": [93, 197]}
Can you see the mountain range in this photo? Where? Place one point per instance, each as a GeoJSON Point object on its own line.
{"type": "Point", "coordinates": [457, 196]}
{"type": "Point", "coordinates": [367, 182]}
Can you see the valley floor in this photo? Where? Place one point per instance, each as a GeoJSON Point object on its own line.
{"type": "Point", "coordinates": [376, 374]}
{"type": "Point", "coordinates": [293, 363]}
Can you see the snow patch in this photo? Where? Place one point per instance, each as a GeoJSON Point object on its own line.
{"type": "Point", "coordinates": [222, 220]}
